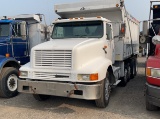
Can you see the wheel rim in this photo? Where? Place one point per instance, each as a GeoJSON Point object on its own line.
{"type": "Point", "coordinates": [12, 82]}
{"type": "Point", "coordinates": [107, 90]}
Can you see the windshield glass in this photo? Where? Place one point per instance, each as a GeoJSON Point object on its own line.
{"type": "Point", "coordinates": [85, 29]}
{"type": "Point", "coordinates": [4, 30]}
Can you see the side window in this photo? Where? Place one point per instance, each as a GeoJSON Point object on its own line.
{"type": "Point", "coordinates": [58, 32]}
{"type": "Point", "coordinates": [108, 31]}
{"type": "Point", "coordinates": [16, 31]}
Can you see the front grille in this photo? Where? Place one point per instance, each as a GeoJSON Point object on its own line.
{"type": "Point", "coordinates": [50, 76]}
{"type": "Point", "coordinates": [53, 59]}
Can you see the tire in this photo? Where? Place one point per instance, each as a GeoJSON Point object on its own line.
{"type": "Point", "coordinates": [8, 82]}
{"type": "Point", "coordinates": [124, 80]}
{"type": "Point", "coordinates": [133, 68]}
{"type": "Point", "coordinates": [129, 72]}
{"type": "Point", "coordinates": [105, 94]}
{"type": "Point", "coordinates": [150, 107]}
{"type": "Point", "coordinates": [39, 97]}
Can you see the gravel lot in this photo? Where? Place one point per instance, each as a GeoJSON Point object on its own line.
{"type": "Point", "coordinates": [125, 103]}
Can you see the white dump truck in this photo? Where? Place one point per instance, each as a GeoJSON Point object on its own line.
{"type": "Point", "coordinates": [93, 47]}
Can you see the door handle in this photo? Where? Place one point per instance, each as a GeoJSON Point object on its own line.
{"type": "Point", "coordinates": [104, 48]}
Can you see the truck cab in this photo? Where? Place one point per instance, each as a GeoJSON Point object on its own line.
{"type": "Point", "coordinates": [18, 34]}
{"type": "Point", "coordinates": [84, 29]}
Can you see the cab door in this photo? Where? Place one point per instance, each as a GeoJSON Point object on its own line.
{"type": "Point", "coordinates": [19, 46]}
{"type": "Point", "coordinates": [109, 42]}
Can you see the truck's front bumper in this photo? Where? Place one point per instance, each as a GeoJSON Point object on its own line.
{"type": "Point", "coordinates": [153, 94]}
{"type": "Point", "coordinates": [80, 91]}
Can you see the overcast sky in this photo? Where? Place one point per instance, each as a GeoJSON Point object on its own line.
{"type": "Point", "coordinates": [138, 8]}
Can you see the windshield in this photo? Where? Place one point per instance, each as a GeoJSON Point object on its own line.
{"type": "Point", "coordinates": [85, 29]}
{"type": "Point", "coordinates": [4, 30]}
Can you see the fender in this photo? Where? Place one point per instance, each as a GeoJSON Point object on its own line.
{"type": "Point", "coordinates": [10, 62]}
{"type": "Point", "coordinates": [153, 62]}
{"type": "Point", "coordinates": [98, 65]}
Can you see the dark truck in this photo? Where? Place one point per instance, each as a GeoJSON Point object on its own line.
{"type": "Point", "coordinates": [18, 34]}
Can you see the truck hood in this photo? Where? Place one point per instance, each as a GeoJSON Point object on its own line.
{"type": "Point", "coordinates": [63, 44]}
{"type": "Point", "coordinates": [83, 51]}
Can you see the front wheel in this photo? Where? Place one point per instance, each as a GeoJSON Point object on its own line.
{"type": "Point", "coordinates": [8, 82]}
{"type": "Point", "coordinates": [105, 94]}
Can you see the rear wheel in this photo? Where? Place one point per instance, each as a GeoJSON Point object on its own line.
{"type": "Point", "coordinates": [41, 97]}
{"type": "Point", "coordinates": [126, 77]}
{"type": "Point", "coordinates": [129, 72]}
{"type": "Point", "coordinates": [105, 94]}
{"type": "Point", "coordinates": [134, 68]}
{"type": "Point", "coordinates": [8, 82]}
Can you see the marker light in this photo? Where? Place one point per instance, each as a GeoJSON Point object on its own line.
{"type": "Point", "coordinates": [122, 30]}
{"type": "Point", "coordinates": [105, 47]}
{"type": "Point", "coordinates": [117, 5]}
{"type": "Point", "coordinates": [94, 77]}
{"type": "Point", "coordinates": [148, 72]}
{"type": "Point", "coordinates": [156, 7]}
{"type": "Point", "coordinates": [70, 18]}
{"type": "Point", "coordinates": [99, 17]}
{"type": "Point", "coordinates": [7, 55]}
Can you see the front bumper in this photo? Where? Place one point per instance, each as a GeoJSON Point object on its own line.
{"type": "Point", "coordinates": [80, 91]}
{"type": "Point", "coordinates": [153, 94]}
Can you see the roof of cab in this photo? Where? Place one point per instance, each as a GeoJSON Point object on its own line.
{"type": "Point", "coordinates": [7, 21]}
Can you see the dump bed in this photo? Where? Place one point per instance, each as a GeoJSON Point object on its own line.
{"type": "Point", "coordinates": [75, 9]}
{"type": "Point", "coordinates": [112, 10]}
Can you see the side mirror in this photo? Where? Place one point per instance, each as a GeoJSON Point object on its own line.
{"type": "Point", "coordinates": [145, 28]}
{"type": "Point", "coordinates": [49, 30]}
{"type": "Point", "coordinates": [123, 30]}
{"type": "Point", "coordinates": [23, 30]}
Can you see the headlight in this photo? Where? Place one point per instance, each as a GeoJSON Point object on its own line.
{"type": "Point", "coordinates": [88, 77]}
{"type": "Point", "coordinates": [155, 73]}
{"type": "Point", "coordinates": [85, 77]}
{"type": "Point", "coordinates": [23, 74]}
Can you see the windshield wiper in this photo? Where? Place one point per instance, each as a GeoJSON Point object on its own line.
{"type": "Point", "coordinates": [81, 36]}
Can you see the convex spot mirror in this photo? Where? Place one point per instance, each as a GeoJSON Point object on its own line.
{"type": "Point", "coordinates": [156, 40]}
